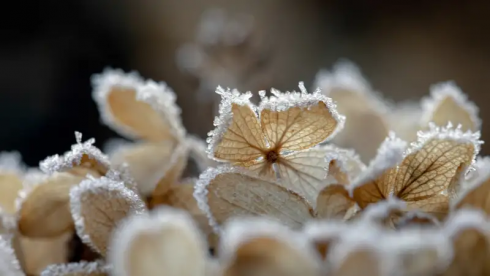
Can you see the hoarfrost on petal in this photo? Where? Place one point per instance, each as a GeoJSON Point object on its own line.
{"type": "Point", "coordinates": [11, 163]}
{"type": "Point", "coordinates": [9, 265]}
{"type": "Point", "coordinates": [82, 268]}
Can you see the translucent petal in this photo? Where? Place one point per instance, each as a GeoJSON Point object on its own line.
{"type": "Point", "coordinates": [333, 202]}
{"type": "Point", "coordinates": [45, 211]}
{"type": "Point", "coordinates": [177, 163]}
{"type": "Point", "coordinates": [137, 108]}
{"type": "Point", "coordinates": [97, 206]}
{"type": "Point", "coordinates": [167, 241]}
{"type": "Point", "coordinates": [35, 252]}
{"type": "Point", "coordinates": [437, 205]}
{"type": "Point", "coordinates": [344, 165]}
{"type": "Point", "coordinates": [386, 212]}
{"type": "Point", "coordinates": [434, 164]}
{"type": "Point", "coordinates": [477, 193]}
{"type": "Point", "coordinates": [9, 265]}
{"type": "Point", "coordinates": [226, 192]}
{"type": "Point", "coordinates": [148, 163]}
{"type": "Point", "coordinates": [447, 103]}
{"type": "Point", "coordinates": [84, 155]}
{"type": "Point", "coordinates": [242, 141]}
{"type": "Point", "coordinates": [11, 177]}
{"type": "Point", "coordinates": [77, 269]}
{"type": "Point", "coordinates": [303, 172]}
{"type": "Point", "coordinates": [260, 247]}
{"type": "Point", "coordinates": [305, 123]}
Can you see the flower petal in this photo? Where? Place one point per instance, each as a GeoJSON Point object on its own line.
{"type": "Point", "coordinates": [137, 108]}
{"type": "Point", "coordinates": [166, 241]}
{"type": "Point", "coordinates": [34, 252]}
{"type": "Point", "coordinates": [198, 154]}
{"type": "Point", "coordinates": [237, 137]}
{"type": "Point", "coordinates": [447, 103]}
{"type": "Point", "coordinates": [297, 121]}
{"type": "Point", "coordinates": [261, 247]}
{"type": "Point", "coordinates": [437, 161]}
{"type": "Point", "coordinates": [476, 194]}
{"type": "Point", "coordinates": [344, 165]}
{"type": "Point", "coordinates": [333, 202]}
{"type": "Point", "coordinates": [45, 211]}
{"type": "Point", "coordinates": [11, 177]}
{"type": "Point", "coordinates": [227, 192]}
{"type": "Point", "coordinates": [9, 265]}
{"type": "Point", "coordinates": [97, 206]}
{"type": "Point", "coordinates": [77, 269]}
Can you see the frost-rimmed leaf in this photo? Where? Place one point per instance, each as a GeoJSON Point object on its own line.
{"type": "Point", "coordinates": [226, 192]}
{"type": "Point", "coordinates": [165, 240]}
{"type": "Point", "coordinates": [447, 103]}
{"type": "Point", "coordinates": [98, 205]}
{"type": "Point", "coordinates": [136, 108]}
{"type": "Point", "coordinates": [82, 268]}
{"type": "Point", "coordinates": [476, 191]}
{"type": "Point", "coordinates": [257, 246]}
{"type": "Point", "coordinates": [81, 154]}
{"type": "Point", "coordinates": [366, 111]}
{"type": "Point", "coordinates": [43, 208]}
{"type": "Point", "coordinates": [9, 264]}
{"type": "Point", "coordinates": [198, 153]}
{"type": "Point", "coordinates": [469, 231]}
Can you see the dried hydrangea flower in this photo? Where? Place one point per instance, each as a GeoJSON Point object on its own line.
{"type": "Point", "coordinates": [476, 192]}
{"type": "Point", "coordinates": [77, 269]}
{"type": "Point", "coordinates": [272, 139]}
{"type": "Point", "coordinates": [470, 234]}
{"type": "Point", "coordinates": [97, 205]}
{"type": "Point", "coordinates": [426, 177]}
{"type": "Point", "coordinates": [366, 126]}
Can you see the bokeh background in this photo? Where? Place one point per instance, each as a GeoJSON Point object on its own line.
{"type": "Point", "coordinates": [50, 49]}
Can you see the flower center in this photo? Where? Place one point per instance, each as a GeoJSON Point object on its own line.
{"type": "Point", "coordinates": [272, 156]}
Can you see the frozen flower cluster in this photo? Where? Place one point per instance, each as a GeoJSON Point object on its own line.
{"type": "Point", "coordinates": [333, 182]}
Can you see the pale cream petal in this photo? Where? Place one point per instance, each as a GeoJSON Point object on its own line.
{"type": "Point", "coordinates": [375, 190]}
{"type": "Point", "coordinates": [98, 205]}
{"type": "Point", "coordinates": [35, 252]}
{"type": "Point", "coordinates": [10, 185]}
{"type": "Point", "coordinates": [177, 163]}
{"type": "Point", "coordinates": [45, 211]}
{"type": "Point", "coordinates": [477, 194]}
{"type": "Point", "coordinates": [137, 108]}
{"type": "Point", "coordinates": [324, 234]}
{"type": "Point", "coordinates": [226, 192]}
{"type": "Point", "coordinates": [333, 202]}
{"type": "Point", "coordinates": [166, 242]}
{"type": "Point", "coordinates": [9, 264]}
{"type": "Point", "coordinates": [303, 172]}
{"type": "Point", "coordinates": [344, 165]}
{"type": "Point", "coordinates": [437, 206]}
{"type": "Point", "coordinates": [405, 119]}
{"type": "Point", "coordinates": [260, 247]}
{"type": "Point", "coordinates": [77, 269]}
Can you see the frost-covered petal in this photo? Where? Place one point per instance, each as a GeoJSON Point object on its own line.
{"type": "Point", "coordinates": [436, 163]}
{"type": "Point", "coordinates": [177, 163]}
{"type": "Point", "coordinates": [81, 159]}
{"type": "Point", "coordinates": [365, 127]}
{"type": "Point", "coordinates": [333, 202]}
{"type": "Point", "coordinates": [237, 137]}
{"type": "Point", "coordinates": [375, 183]}
{"type": "Point", "coordinates": [11, 177]}
{"type": "Point", "coordinates": [45, 210]}
{"type": "Point", "coordinates": [386, 212]}
{"type": "Point", "coordinates": [148, 163]}
{"type": "Point", "coordinates": [77, 269]}
{"type": "Point", "coordinates": [165, 242]}
{"type": "Point", "coordinates": [323, 234]}
{"type": "Point", "coordinates": [98, 205]}
{"type": "Point", "coordinates": [344, 165]}
{"type": "Point", "coordinates": [36, 254]}
{"type": "Point", "coordinates": [9, 264]}
{"type": "Point", "coordinates": [226, 192]}
{"type": "Point", "coordinates": [181, 196]}
{"type": "Point", "coordinates": [298, 120]}
{"type": "Point", "coordinates": [476, 193]}
{"type": "Point", "coordinates": [137, 108]}
{"type": "Point", "coordinates": [447, 103]}
{"type": "Point", "coordinates": [198, 153]}
{"type": "Point", "coordinates": [255, 246]}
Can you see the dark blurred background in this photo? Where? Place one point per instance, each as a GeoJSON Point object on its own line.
{"type": "Point", "coordinates": [50, 48]}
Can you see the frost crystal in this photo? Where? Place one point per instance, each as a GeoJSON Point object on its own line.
{"type": "Point", "coordinates": [57, 163]}
{"type": "Point", "coordinates": [464, 219]}
{"type": "Point", "coordinates": [347, 160]}
{"type": "Point", "coordinates": [81, 268]}
{"type": "Point", "coordinates": [9, 265]}
{"type": "Point", "coordinates": [381, 210]}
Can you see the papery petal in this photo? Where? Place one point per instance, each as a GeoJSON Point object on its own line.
{"type": "Point", "coordinates": [166, 241]}
{"type": "Point", "coordinates": [477, 191]}
{"type": "Point", "coordinates": [11, 177]}
{"type": "Point", "coordinates": [324, 234]}
{"type": "Point", "coordinates": [227, 192]}
{"type": "Point", "coordinates": [333, 202]}
{"type": "Point", "coordinates": [405, 119]}
{"type": "Point", "coordinates": [9, 265]}
{"type": "Point", "coordinates": [137, 108]}
{"type": "Point", "coordinates": [298, 120]}
{"type": "Point", "coordinates": [77, 269]}
{"type": "Point", "coordinates": [98, 205]}
{"type": "Point", "coordinates": [44, 212]}
{"type": "Point", "coordinates": [39, 253]}
{"type": "Point", "coordinates": [344, 165]}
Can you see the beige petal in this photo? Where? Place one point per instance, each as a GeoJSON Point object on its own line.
{"type": "Point", "coordinates": [324, 234]}
{"type": "Point", "coordinates": [45, 212]}
{"type": "Point", "coordinates": [261, 248]}
{"type": "Point", "coordinates": [35, 252]}
{"type": "Point", "coordinates": [359, 261]}
{"type": "Point", "coordinates": [166, 242]}
{"type": "Point", "coordinates": [333, 202]}
{"type": "Point", "coordinates": [385, 213]}
{"type": "Point", "coordinates": [97, 206]}
{"type": "Point", "coordinates": [431, 168]}
{"type": "Point", "coordinates": [303, 172]}
{"type": "Point", "coordinates": [298, 128]}
{"type": "Point", "coordinates": [416, 218]}
{"type": "Point", "coordinates": [226, 192]}
{"type": "Point", "coordinates": [147, 162]}
{"type": "Point", "coordinates": [437, 206]}
{"type": "Point", "coordinates": [476, 196]}
{"type": "Point", "coordinates": [449, 104]}
{"type": "Point", "coordinates": [178, 162]}
{"type": "Point", "coordinates": [243, 141]}
{"type": "Point", "coordinates": [9, 265]}
{"type": "Point", "coordinates": [137, 108]}
{"type": "Point", "coordinates": [10, 185]}
{"type": "Point", "coordinates": [405, 119]}
{"type": "Point", "coordinates": [374, 190]}
{"type": "Point", "coordinates": [77, 269]}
